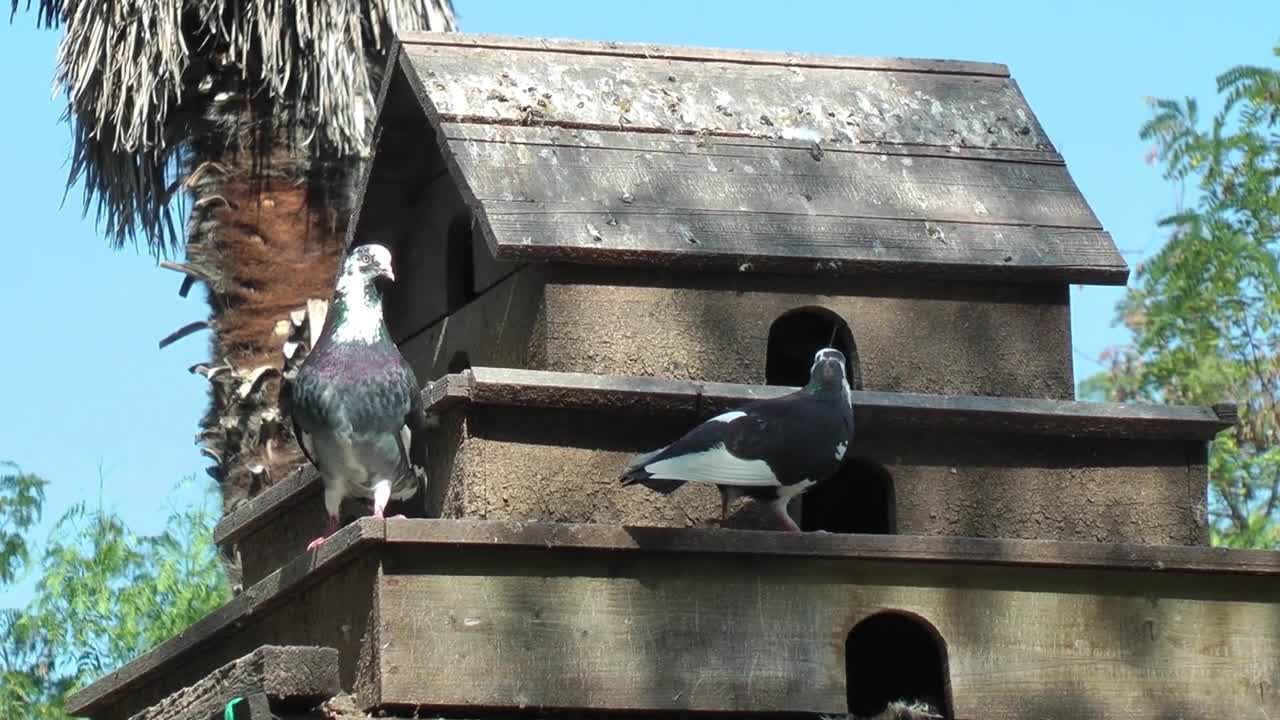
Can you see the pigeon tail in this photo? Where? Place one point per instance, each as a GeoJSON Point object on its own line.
{"type": "Point", "coordinates": [635, 473]}
{"type": "Point", "coordinates": [643, 459]}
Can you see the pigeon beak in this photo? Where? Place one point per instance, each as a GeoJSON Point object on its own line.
{"type": "Point", "coordinates": [387, 273]}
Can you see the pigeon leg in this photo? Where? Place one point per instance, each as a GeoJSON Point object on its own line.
{"type": "Point", "coordinates": [332, 502]}
{"type": "Point", "coordinates": [780, 507]}
{"type": "Point", "coordinates": [725, 499]}
{"type": "Point", "coordinates": [381, 494]}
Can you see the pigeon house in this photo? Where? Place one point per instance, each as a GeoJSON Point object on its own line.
{"type": "Point", "coordinates": [598, 246]}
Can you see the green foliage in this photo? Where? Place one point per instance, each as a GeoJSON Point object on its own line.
{"type": "Point", "coordinates": [105, 595]}
{"type": "Point", "coordinates": [1205, 310]}
{"type": "Point", "coordinates": [21, 499]}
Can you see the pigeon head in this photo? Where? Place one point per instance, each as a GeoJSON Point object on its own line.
{"type": "Point", "coordinates": [371, 262]}
{"type": "Point", "coordinates": [357, 300]}
{"type": "Point", "coordinates": [828, 371]}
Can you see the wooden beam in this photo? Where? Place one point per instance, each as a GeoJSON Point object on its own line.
{"type": "Point", "coordinates": [272, 672]}
{"type": "Point", "coordinates": [907, 411]}
{"type": "Point", "coordinates": [959, 551]}
{"type": "Point", "coordinates": [651, 51]}
{"type": "Point", "coordinates": [302, 572]}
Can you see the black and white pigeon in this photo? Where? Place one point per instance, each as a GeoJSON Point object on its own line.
{"type": "Point", "coordinates": [770, 450]}
{"type": "Point", "coordinates": [356, 402]}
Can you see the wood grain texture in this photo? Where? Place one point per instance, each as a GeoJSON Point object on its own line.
{"type": "Point", "coordinates": [620, 198]}
{"type": "Point", "coordinates": [502, 629]}
{"type": "Point", "coordinates": [290, 673]}
{"type": "Point", "coordinates": [257, 599]}
{"type": "Point", "coordinates": [878, 410]}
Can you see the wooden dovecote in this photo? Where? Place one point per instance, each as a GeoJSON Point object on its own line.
{"type": "Point", "coordinates": [599, 245]}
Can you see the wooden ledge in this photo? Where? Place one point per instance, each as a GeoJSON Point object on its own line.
{"type": "Point", "coordinates": [650, 51]}
{"type": "Point", "coordinates": [259, 510]}
{"type": "Point", "coordinates": [895, 548]}
{"type": "Point", "coordinates": [270, 673]}
{"type": "Point", "coordinates": [367, 534]}
{"type": "Point", "coordinates": [907, 411]}
{"type": "Point", "coordinates": [299, 573]}
{"type": "Point", "coordinates": [663, 398]}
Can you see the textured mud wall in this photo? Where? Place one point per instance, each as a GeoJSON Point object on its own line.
{"type": "Point", "coordinates": [523, 464]}
{"type": "Point", "coordinates": [911, 336]}
{"type": "Point", "coordinates": [1049, 488]}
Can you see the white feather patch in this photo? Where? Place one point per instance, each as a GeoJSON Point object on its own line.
{"type": "Point", "coordinates": [840, 450]}
{"type": "Point", "coordinates": [363, 317]}
{"type": "Point", "coordinates": [714, 465]}
{"type": "Point", "coordinates": [728, 417]}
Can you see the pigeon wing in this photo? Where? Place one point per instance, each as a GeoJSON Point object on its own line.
{"type": "Point", "coordinates": [725, 450]}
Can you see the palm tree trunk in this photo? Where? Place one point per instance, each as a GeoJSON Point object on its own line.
{"type": "Point", "coordinates": [267, 230]}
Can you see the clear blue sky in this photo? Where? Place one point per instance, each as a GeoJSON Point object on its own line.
{"type": "Point", "coordinates": [87, 396]}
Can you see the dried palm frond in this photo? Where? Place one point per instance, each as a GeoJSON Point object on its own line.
{"type": "Point", "coordinates": [141, 76]}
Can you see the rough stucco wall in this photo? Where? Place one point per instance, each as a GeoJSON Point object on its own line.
{"type": "Point", "coordinates": [910, 336]}
{"type": "Point", "coordinates": [521, 464]}
{"type": "Point", "coordinates": [560, 466]}
{"type": "Point", "coordinates": [981, 485]}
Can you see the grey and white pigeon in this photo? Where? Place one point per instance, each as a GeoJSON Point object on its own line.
{"type": "Point", "coordinates": [770, 450]}
{"type": "Point", "coordinates": [356, 402]}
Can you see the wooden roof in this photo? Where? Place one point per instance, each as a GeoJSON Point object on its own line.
{"type": "Point", "coordinates": [608, 153]}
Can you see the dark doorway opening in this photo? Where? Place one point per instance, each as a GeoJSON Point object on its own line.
{"type": "Point", "coordinates": [460, 264]}
{"type": "Point", "coordinates": [459, 362]}
{"type": "Point", "coordinates": [796, 336]}
{"type": "Point", "coordinates": [859, 498]}
{"type": "Point", "coordinates": [896, 657]}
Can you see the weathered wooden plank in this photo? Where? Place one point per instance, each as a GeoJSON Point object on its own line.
{"type": "Point", "coordinates": [293, 673]}
{"type": "Point", "coordinates": [551, 136]}
{"type": "Point", "coordinates": [655, 51]}
{"type": "Point", "coordinates": [592, 166]}
{"type": "Point", "coordinates": [522, 87]}
{"type": "Point", "coordinates": [879, 410]}
{"type": "Point", "coordinates": [597, 168]}
{"type": "Point", "coordinates": [616, 196]}
{"type": "Point", "coordinates": [340, 548]}
{"type": "Point", "coordinates": [501, 629]}
{"type": "Point", "coordinates": [801, 244]}
{"type": "Point", "coordinates": [493, 536]}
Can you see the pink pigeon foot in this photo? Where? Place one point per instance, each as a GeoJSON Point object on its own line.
{"type": "Point", "coordinates": [787, 522]}
{"type": "Point", "coordinates": [329, 529]}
